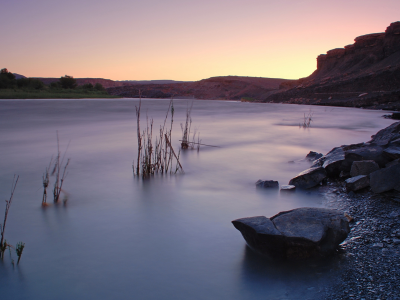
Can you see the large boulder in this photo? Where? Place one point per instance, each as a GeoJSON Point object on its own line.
{"type": "Point", "coordinates": [386, 135]}
{"type": "Point", "coordinates": [363, 167]}
{"type": "Point", "coordinates": [298, 233]}
{"type": "Point", "coordinates": [393, 152]}
{"type": "Point", "coordinates": [309, 178]}
{"type": "Point", "coordinates": [385, 179]}
{"type": "Point", "coordinates": [336, 162]}
{"type": "Point", "coordinates": [367, 152]}
{"type": "Point", "coordinates": [312, 156]}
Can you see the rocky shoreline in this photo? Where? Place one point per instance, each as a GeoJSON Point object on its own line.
{"type": "Point", "coordinates": [371, 268]}
{"type": "Point", "coordinates": [361, 182]}
{"type": "Point", "coordinates": [371, 250]}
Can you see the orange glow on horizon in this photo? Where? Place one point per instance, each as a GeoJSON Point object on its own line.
{"type": "Point", "coordinates": [180, 40]}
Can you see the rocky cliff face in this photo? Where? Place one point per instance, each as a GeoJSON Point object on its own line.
{"type": "Point", "coordinates": [370, 66]}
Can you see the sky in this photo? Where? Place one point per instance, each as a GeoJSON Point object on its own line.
{"type": "Point", "coordinates": [181, 39]}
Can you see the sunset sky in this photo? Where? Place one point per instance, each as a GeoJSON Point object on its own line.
{"type": "Point", "coordinates": [181, 39]}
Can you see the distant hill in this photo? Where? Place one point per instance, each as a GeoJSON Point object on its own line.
{"type": "Point", "coordinates": [363, 74]}
{"type": "Point", "coordinates": [18, 76]}
{"type": "Point", "coordinates": [151, 81]}
{"type": "Point", "coordinates": [81, 81]}
{"type": "Point", "coordinates": [223, 88]}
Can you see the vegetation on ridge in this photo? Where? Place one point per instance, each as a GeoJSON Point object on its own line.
{"type": "Point", "coordinates": [33, 88]}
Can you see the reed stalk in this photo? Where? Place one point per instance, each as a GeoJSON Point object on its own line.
{"type": "Point", "coordinates": [46, 180]}
{"type": "Point", "coordinates": [307, 120]}
{"type": "Point", "coordinates": [3, 243]}
{"type": "Point", "coordinates": [57, 171]}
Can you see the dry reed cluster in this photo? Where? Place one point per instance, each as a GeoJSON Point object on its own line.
{"type": "Point", "coordinates": [159, 157]}
{"type": "Point", "coordinates": [60, 177]}
{"type": "Point", "coordinates": [185, 142]}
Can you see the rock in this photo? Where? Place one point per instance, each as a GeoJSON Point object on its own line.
{"type": "Point", "coordinates": [367, 152]}
{"type": "Point", "coordinates": [288, 188]}
{"type": "Point", "coordinates": [384, 136]}
{"type": "Point", "coordinates": [396, 241]}
{"type": "Point", "coordinates": [267, 184]}
{"type": "Point", "coordinates": [335, 162]}
{"type": "Point", "coordinates": [392, 163]}
{"type": "Point", "coordinates": [364, 167]}
{"type": "Point", "coordinates": [344, 174]}
{"type": "Point", "coordinates": [395, 142]}
{"type": "Point", "coordinates": [396, 116]}
{"type": "Point", "coordinates": [298, 233]}
{"type": "Point", "coordinates": [357, 183]}
{"type": "Point", "coordinates": [385, 179]}
{"type": "Point", "coordinates": [393, 152]}
{"type": "Point", "coordinates": [311, 156]}
{"type": "Point", "coordinates": [309, 178]}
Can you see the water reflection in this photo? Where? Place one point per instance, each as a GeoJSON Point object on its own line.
{"type": "Point", "coordinates": [287, 279]}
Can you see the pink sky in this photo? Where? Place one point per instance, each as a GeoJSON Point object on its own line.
{"type": "Point", "coordinates": [181, 39]}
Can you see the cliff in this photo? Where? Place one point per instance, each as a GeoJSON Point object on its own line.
{"type": "Point", "coordinates": [370, 67]}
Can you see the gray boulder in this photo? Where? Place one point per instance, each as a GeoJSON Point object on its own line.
{"type": "Point", "coordinates": [385, 179]}
{"type": "Point", "coordinates": [363, 167]}
{"type": "Point", "coordinates": [309, 178]}
{"type": "Point", "coordinates": [336, 161]}
{"type": "Point", "coordinates": [386, 135]}
{"type": "Point", "coordinates": [298, 233]}
{"type": "Point", "coordinates": [393, 162]}
{"type": "Point", "coordinates": [367, 152]}
{"type": "Point", "coordinates": [357, 183]}
{"type": "Point", "coordinates": [393, 152]}
{"type": "Point", "coordinates": [312, 156]}
{"type": "Point", "coordinates": [267, 184]}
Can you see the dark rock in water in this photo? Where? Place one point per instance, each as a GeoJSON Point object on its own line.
{"type": "Point", "coordinates": [267, 184]}
{"type": "Point", "coordinates": [309, 178]}
{"type": "Point", "coordinates": [384, 136]}
{"type": "Point", "coordinates": [385, 179]}
{"type": "Point", "coordinates": [288, 188]}
{"type": "Point", "coordinates": [393, 152]}
{"type": "Point", "coordinates": [311, 156]}
{"type": "Point", "coordinates": [298, 233]}
{"type": "Point", "coordinates": [357, 183]}
{"type": "Point", "coordinates": [363, 167]}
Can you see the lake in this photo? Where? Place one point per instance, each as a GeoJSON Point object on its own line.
{"type": "Point", "coordinates": [168, 237]}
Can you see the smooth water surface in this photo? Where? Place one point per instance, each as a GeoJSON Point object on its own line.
{"type": "Point", "coordinates": [170, 237]}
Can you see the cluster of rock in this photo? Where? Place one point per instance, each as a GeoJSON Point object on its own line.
{"type": "Point", "coordinates": [373, 164]}
{"type": "Point", "coordinates": [311, 232]}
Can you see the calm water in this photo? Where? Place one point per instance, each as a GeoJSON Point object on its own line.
{"type": "Point", "coordinates": [170, 237]}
